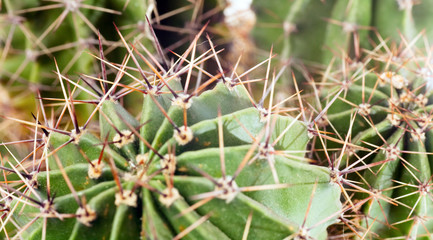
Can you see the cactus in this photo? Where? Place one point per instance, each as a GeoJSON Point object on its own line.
{"type": "Point", "coordinates": [163, 153]}
{"type": "Point", "coordinates": [35, 30]}
{"type": "Point", "coordinates": [199, 164]}
{"type": "Point", "coordinates": [313, 32]}
{"type": "Point", "coordinates": [379, 111]}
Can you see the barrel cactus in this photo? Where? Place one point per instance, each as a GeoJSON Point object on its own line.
{"type": "Point", "coordinates": [379, 112]}
{"type": "Point", "coordinates": [164, 153]}
{"type": "Point", "coordinates": [312, 32]}
{"type": "Point", "coordinates": [195, 163]}
{"type": "Point", "coordinates": [33, 32]}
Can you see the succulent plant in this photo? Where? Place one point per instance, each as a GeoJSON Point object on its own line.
{"type": "Point", "coordinates": [178, 146]}
{"type": "Point", "coordinates": [196, 163]}
{"type": "Point", "coordinates": [34, 32]}
{"type": "Point", "coordinates": [313, 32]}
{"type": "Point", "coordinates": [379, 113]}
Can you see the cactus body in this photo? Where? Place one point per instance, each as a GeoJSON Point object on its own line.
{"type": "Point", "coordinates": [192, 166]}
{"type": "Point", "coordinates": [34, 32]}
{"type": "Point", "coordinates": [384, 116]}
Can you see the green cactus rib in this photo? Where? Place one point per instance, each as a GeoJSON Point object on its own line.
{"type": "Point", "coordinates": [296, 29]}
{"type": "Point", "coordinates": [348, 22]}
{"type": "Point", "coordinates": [317, 31]}
{"type": "Point", "coordinates": [391, 133]}
{"type": "Point", "coordinates": [403, 16]}
{"type": "Point", "coordinates": [278, 211]}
